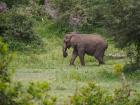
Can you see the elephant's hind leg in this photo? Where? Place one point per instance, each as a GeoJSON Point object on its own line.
{"type": "Point", "coordinates": [99, 57]}
{"type": "Point", "coordinates": [102, 56]}
{"type": "Point", "coordinates": [100, 60]}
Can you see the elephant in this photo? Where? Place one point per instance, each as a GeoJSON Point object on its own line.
{"type": "Point", "coordinates": [90, 44]}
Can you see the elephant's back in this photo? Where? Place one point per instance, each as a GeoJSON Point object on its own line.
{"type": "Point", "coordinates": [93, 38]}
{"type": "Point", "coordinates": [94, 41]}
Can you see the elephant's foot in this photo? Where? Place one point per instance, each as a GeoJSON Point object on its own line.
{"type": "Point", "coordinates": [101, 63]}
{"type": "Point", "coordinates": [82, 64]}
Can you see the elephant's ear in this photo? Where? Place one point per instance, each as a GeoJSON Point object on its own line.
{"type": "Point", "coordinates": [67, 38]}
{"type": "Point", "coordinates": [75, 39]}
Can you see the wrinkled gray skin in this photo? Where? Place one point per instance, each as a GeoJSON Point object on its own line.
{"type": "Point", "coordinates": [91, 44]}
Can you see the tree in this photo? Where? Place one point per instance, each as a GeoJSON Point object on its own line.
{"type": "Point", "coordinates": [80, 15]}
{"type": "Point", "coordinates": [123, 23]}
{"type": "Point", "coordinates": [11, 3]}
{"type": "Point", "coordinates": [16, 24]}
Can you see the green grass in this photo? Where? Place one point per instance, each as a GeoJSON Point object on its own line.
{"type": "Point", "coordinates": [49, 65]}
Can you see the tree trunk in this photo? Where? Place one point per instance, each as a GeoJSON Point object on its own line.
{"type": "Point", "coordinates": [3, 7]}
{"type": "Point", "coordinates": [46, 3]}
{"type": "Point", "coordinates": [51, 11]}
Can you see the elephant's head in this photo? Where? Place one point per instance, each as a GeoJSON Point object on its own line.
{"type": "Point", "coordinates": [66, 44]}
{"type": "Point", "coordinates": [69, 41]}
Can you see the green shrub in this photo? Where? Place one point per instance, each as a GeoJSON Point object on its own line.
{"type": "Point", "coordinates": [11, 3]}
{"type": "Point", "coordinates": [14, 93]}
{"type": "Point", "coordinates": [129, 68]}
{"type": "Point", "coordinates": [95, 95]}
{"type": "Point", "coordinates": [89, 95]}
{"type": "Point", "coordinates": [16, 28]}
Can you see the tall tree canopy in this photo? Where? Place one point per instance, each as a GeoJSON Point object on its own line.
{"type": "Point", "coordinates": [124, 23]}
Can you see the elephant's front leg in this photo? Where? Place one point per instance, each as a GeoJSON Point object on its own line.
{"type": "Point", "coordinates": [81, 54]}
{"type": "Point", "coordinates": [74, 55]}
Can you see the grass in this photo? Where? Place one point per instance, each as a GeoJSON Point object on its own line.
{"type": "Point", "coordinates": [49, 65]}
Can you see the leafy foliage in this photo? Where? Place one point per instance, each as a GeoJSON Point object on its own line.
{"type": "Point", "coordinates": [5, 58]}
{"type": "Point", "coordinates": [94, 95]}
{"type": "Point", "coordinates": [14, 93]}
{"type": "Point", "coordinates": [120, 17]}
{"type": "Point", "coordinates": [123, 24]}
{"type": "Point", "coordinates": [80, 15]}
{"type": "Point", "coordinates": [11, 3]}
{"type": "Point", "coordinates": [16, 28]}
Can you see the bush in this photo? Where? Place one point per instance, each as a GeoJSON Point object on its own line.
{"type": "Point", "coordinates": [16, 26]}
{"type": "Point", "coordinates": [95, 95]}
{"type": "Point", "coordinates": [11, 3]}
{"type": "Point", "coordinates": [129, 68]}
{"type": "Point", "coordinates": [14, 93]}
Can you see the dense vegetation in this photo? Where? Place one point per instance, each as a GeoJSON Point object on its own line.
{"type": "Point", "coordinates": [15, 93]}
{"type": "Point", "coordinates": [123, 25]}
{"type": "Point", "coordinates": [34, 28]}
{"type": "Point", "coordinates": [120, 18]}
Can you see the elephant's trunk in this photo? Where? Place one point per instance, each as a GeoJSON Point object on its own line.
{"type": "Point", "coordinates": [65, 54]}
